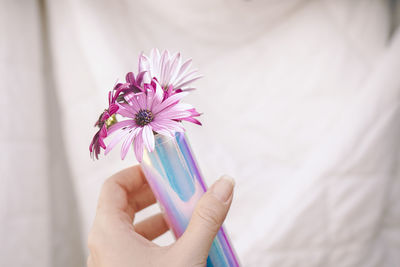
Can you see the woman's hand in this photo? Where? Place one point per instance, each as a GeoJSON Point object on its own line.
{"type": "Point", "coordinates": [114, 241]}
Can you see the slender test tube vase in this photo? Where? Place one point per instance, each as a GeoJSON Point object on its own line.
{"type": "Point", "coordinates": [174, 176]}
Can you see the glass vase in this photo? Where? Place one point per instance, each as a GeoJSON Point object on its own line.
{"type": "Point", "coordinates": [174, 176]}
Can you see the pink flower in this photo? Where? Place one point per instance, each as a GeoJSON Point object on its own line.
{"type": "Point", "coordinates": [149, 112]}
{"type": "Point", "coordinates": [98, 142]}
{"type": "Point", "coordinates": [98, 139]}
{"type": "Point", "coordinates": [112, 106]}
{"type": "Point", "coordinates": [168, 69]}
{"type": "Point", "coordinates": [135, 83]}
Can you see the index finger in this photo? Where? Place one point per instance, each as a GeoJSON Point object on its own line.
{"type": "Point", "coordinates": [116, 190]}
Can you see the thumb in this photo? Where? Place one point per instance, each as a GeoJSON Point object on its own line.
{"type": "Point", "coordinates": [207, 219]}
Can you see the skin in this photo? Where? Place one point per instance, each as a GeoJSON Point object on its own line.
{"type": "Point", "coordinates": [115, 239]}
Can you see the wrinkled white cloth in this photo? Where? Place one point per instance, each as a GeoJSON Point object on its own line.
{"type": "Point", "coordinates": [301, 106]}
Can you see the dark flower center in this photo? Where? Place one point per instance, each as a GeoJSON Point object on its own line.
{"type": "Point", "coordinates": [144, 117]}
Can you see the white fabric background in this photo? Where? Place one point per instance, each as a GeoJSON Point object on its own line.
{"type": "Point", "coordinates": [301, 106]}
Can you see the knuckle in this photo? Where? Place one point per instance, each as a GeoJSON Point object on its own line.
{"type": "Point", "coordinates": [106, 189]}
{"type": "Point", "coordinates": [107, 183]}
{"type": "Point", "coordinates": [210, 217]}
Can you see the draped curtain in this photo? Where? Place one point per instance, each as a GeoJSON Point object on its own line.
{"type": "Point", "coordinates": [301, 106]}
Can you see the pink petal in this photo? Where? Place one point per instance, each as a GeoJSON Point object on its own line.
{"type": "Point", "coordinates": [113, 108]}
{"type": "Point", "coordinates": [130, 77]}
{"type": "Point", "coordinates": [101, 143]}
{"type": "Point", "coordinates": [188, 82]}
{"type": "Point", "coordinates": [149, 98]}
{"type": "Point", "coordinates": [121, 124]}
{"type": "Point", "coordinates": [127, 110]}
{"type": "Point", "coordinates": [105, 116]}
{"type": "Point", "coordinates": [109, 98]}
{"type": "Point", "coordinates": [162, 129]}
{"type": "Point", "coordinates": [148, 138]}
{"type": "Point", "coordinates": [129, 98]}
{"type": "Point", "coordinates": [91, 145]}
{"type": "Point", "coordinates": [165, 132]}
{"type": "Point", "coordinates": [144, 66]}
{"type": "Point", "coordinates": [103, 132]}
{"type": "Point", "coordinates": [169, 101]}
{"type": "Point", "coordinates": [141, 100]}
{"type": "Point", "coordinates": [193, 120]}
{"type": "Point", "coordinates": [184, 78]}
{"type": "Point", "coordinates": [184, 106]}
{"type": "Point", "coordinates": [173, 114]}
{"type": "Point", "coordinates": [165, 67]}
{"type": "Point", "coordinates": [120, 135]}
{"type": "Point", "coordinates": [184, 67]}
{"type": "Point", "coordinates": [171, 125]}
{"type": "Point", "coordinates": [134, 103]}
{"type": "Point", "coordinates": [138, 146]}
{"type": "Point", "coordinates": [159, 95]}
{"type": "Point", "coordinates": [188, 89]}
{"type": "Point", "coordinates": [144, 63]}
{"type": "Point", "coordinates": [155, 56]}
{"type": "Point", "coordinates": [175, 62]}
{"type": "Point", "coordinates": [194, 112]}
{"type": "Point", "coordinates": [127, 143]}
{"type": "Point", "coordinates": [139, 78]}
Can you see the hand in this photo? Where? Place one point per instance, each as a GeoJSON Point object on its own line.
{"type": "Point", "coordinates": [114, 241]}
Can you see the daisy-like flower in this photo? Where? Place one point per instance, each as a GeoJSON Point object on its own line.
{"type": "Point", "coordinates": [112, 107]}
{"type": "Point", "coordinates": [106, 119]}
{"type": "Point", "coordinates": [98, 142]}
{"type": "Point", "coordinates": [148, 113]}
{"type": "Point", "coordinates": [168, 70]}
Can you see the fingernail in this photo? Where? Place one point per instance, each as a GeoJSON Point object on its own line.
{"type": "Point", "coordinates": [223, 188]}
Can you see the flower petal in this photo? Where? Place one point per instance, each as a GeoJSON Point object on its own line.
{"type": "Point", "coordinates": [103, 132]}
{"type": "Point", "coordinates": [163, 65]}
{"type": "Point", "coordinates": [149, 99]}
{"type": "Point", "coordinates": [185, 78]}
{"type": "Point", "coordinates": [121, 124]}
{"type": "Point", "coordinates": [158, 95]}
{"type": "Point", "coordinates": [194, 112]}
{"type": "Point", "coordinates": [127, 143]}
{"type": "Point", "coordinates": [139, 78]}
{"type": "Point", "coordinates": [141, 100]}
{"type": "Point", "coordinates": [193, 120]}
{"type": "Point", "coordinates": [169, 101]}
{"type": "Point", "coordinates": [118, 137]}
{"type": "Point", "coordinates": [173, 114]}
{"type": "Point", "coordinates": [162, 129]}
{"type": "Point", "coordinates": [138, 146]}
{"type": "Point", "coordinates": [113, 109]}
{"type": "Point", "coordinates": [148, 138]}
{"type": "Point", "coordinates": [130, 77]}
{"type": "Point", "coordinates": [175, 63]}
{"type": "Point", "coordinates": [165, 132]}
{"type": "Point", "coordinates": [183, 106]}
{"type": "Point", "coordinates": [101, 143]}
{"type": "Point", "coordinates": [144, 66]}
{"type": "Point", "coordinates": [170, 125]}
{"type": "Point", "coordinates": [155, 63]}
{"type": "Point", "coordinates": [184, 83]}
{"type": "Point", "coordinates": [185, 66]}
{"type": "Point", "coordinates": [127, 110]}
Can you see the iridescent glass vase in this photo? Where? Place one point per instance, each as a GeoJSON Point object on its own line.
{"type": "Point", "coordinates": [175, 178]}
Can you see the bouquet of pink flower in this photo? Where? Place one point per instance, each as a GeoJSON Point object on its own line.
{"type": "Point", "coordinates": [147, 104]}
